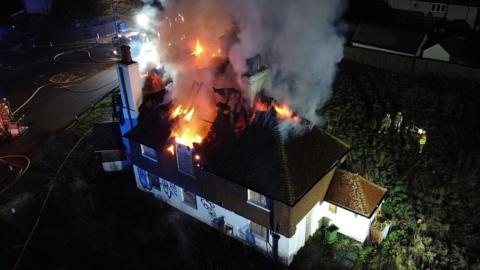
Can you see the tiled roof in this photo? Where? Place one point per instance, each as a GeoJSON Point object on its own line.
{"type": "Point", "coordinates": [355, 193]}
{"type": "Point", "coordinates": [259, 160]}
{"type": "Point", "coordinates": [394, 39]}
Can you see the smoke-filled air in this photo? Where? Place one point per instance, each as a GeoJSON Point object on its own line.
{"type": "Point", "coordinates": [300, 41]}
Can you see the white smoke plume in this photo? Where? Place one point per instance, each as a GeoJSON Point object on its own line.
{"type": "Point", "coordinates": [300, 40]}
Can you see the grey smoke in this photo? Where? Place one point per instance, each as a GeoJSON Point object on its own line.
{"type": "Point", "coordinates": [301, 41]}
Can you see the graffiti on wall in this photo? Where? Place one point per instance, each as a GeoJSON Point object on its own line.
{"type": "Point", "coordinates": [210, 207]}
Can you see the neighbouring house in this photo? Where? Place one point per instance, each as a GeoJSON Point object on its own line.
{"type": "Point", "coordinates": [270, 193]}
{"type": "Point", "coordinates": [387, 39]}
{"type": "Point", "coordinates": [452, 49]}
{"type": "Point", "coordinates": [451, 10]}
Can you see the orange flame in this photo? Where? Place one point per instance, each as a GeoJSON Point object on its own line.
{"type": "Point", "coordinates": [185, 131]}
{"type": "Point", "coordinates": [198, 49]}
{"type": "Point", "coordinates": [189, 115]}
{"type": "Point", "coordinates": [178, 111]}
{"type": "Point", "coordinates": [171, 149]}
{"type": "Point", "coordinates": [187, 138]}
{"type": "Point", "coordinates": [283, 111]}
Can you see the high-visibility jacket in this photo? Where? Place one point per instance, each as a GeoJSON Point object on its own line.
{"type": "Point", "coordinates": [422, 140]}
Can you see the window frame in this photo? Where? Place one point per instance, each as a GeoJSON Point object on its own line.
{"type": "Point", "coordinates": [438, 7]}
{"type": "Point", "coordinates": [192, 204]}
{"type": "Point", "coordinates": [143, 150]}
{"type": "Point", "coordinates": [255, 202]}
{"type": "Point", "coordinates": [332, 208]}
{"type": "Point", "coordinates": [263, 230]}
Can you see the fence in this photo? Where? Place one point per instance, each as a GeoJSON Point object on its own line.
{"type": "Point", "coordinates": [405, 64]}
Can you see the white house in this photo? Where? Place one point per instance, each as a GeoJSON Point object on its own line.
{"type": "Point", "coordinates": [451, 10]}
{"type": "Point", "coordinates": [268, 193]}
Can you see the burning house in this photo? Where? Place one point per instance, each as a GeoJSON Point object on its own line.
{"type": "Point", "coordinates": [226, 162]}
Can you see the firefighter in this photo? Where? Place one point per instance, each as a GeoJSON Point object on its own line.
{"type": "Point", "coordinates": [386, 123]}
{"type": "Point", "coordinates": [422, 140]}
{"type": "Point", "coordinates": [397, 123]}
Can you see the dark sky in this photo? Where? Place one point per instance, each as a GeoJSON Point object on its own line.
{"type": "Point", "coordinates": [8, 7]}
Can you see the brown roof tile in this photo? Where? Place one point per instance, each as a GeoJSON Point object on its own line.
{"type": "Point", "coordinates": [355, 193]}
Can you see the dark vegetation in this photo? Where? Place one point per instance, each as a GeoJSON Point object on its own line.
{"type": "Point", "coordinates": [432, 197]}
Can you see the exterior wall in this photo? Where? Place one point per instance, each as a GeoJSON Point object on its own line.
{"type": "Point", "coordinates": [206, 211]}
{"type": "Point", "coordinates": [114, 166]}
{"type": "Point", "coordinates": [464, 13]}
{"type": "Point", "coordinates": [452, 12]}
{"type": "Point", "coordinates": [312, 198]}
{"type": "Point", "coordinates": [131, 94]}
{"type": "Point", "coordinates": [350, 224]}
{"type": "Point", "coordinates": [222, 192]}
{"type": "Point", "coordinates": [437, 53]}
{"type": "Point", "coordinates": [409, 65]}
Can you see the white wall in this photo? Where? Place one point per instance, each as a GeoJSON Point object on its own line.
{"type": "Point", "coordinates": [436, 52]}
{"type": "Point", "coordinates": [350, 224]}
{"type": "Point", "coordinates": [354, 226]}
{"type": "Point", "coordinates": [468, 14]}
{"type": "Point", "coordinates": [287, 247]}
{"type": "Point", "coordinates": [452, 12]}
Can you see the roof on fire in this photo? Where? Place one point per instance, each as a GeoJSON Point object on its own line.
{"type": "Point", "coordinates": [355, 193]}
{"type": "Point", "coordinates": [285, 171]}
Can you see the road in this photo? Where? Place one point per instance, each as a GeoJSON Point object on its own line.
{"type": "Point", "coordinates": [52, 87]}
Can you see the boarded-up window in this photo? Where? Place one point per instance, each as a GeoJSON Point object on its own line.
{"type": "Point", "coordinates": [190, 199]}
{"type": "Point", "coordinates": [184, 160]}
{"type": "Point", "coordinates": [154, 180]}
{"type": "Point", "coordinates": [332, 208]}
{"type": "Point", "coordinates": [257, 199]}
{"type": "Point", "coordinates": [148, 152]}
{"type": "Point", "coordinates": [258, 230]}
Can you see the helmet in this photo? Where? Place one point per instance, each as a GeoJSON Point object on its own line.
{"type": "Point", "coordinates": [399, 113]}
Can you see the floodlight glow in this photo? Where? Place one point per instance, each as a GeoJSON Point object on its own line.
{"type": "Point", "coordinates": [142, 20]}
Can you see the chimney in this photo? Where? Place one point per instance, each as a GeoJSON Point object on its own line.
{"type": "Point", "coordinates": [126, 55]}
{"type": "Point", "coordinates": [130, 89]}
{"type": "Point", "coordinates": [256, 76]}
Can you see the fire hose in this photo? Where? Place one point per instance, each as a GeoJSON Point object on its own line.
{"type": "Point", "coordinates": [20, 173]}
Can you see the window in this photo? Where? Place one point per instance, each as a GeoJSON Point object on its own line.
{"type": "Point", "coordinates": [257, 199]}
{"type": "Point", "coordinates": [436, 7]}
{"type": "Point", "coordinates": [154, 180]}
{"type": "Point", "coordinates": [258, 230]}
{"type": "Point", "coordinates": [148, 152]}
{"type": "Point", "coordinates": [332, 208]}
{"type": "Point", "coordinates": [190, 199]}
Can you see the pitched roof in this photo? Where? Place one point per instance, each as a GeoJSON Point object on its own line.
{"type": "Point", "coordinates": [285, 171]}
{"type": "Point", "coordinates": [355, 193]}
{"type": "Point", "coordinates": [393, 39]}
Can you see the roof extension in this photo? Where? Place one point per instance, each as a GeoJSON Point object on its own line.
{"type": "Point", "coordinates": [393, 39]}
{"type": "Point", "coordinates": [355, 193]}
